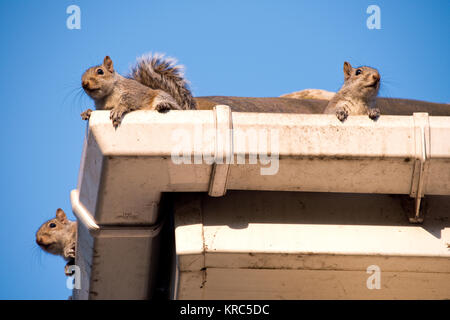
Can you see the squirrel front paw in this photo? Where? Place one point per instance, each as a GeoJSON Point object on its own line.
{"type": "Point", "coordinates": [69, 252]}
{"type": "Point", "coordinates": [116, 116]}
{"type": "Point", "coordinates": [85, 115]}
{"type": "Point", "coordinates": [374, 113]}
{"type": "Point", "coordinates": [342, 114]}
{"type": "Point", "coordinates": [164, 107]}
{"type": "Point", "coordinates": [67, 269]}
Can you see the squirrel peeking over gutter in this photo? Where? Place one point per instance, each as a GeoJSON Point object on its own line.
{"type": "Point", "coordinates": [155, 83]}
{"type": "Point", "coordinates": [358, 94]}
{"type": "Point", "coordinates": [58, 236]}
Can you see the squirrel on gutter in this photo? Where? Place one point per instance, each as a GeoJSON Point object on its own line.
{"type": "Point", "coordinates": [58, 236]}
{"type": "Point", "coordinates": [155, 83]}
{"type": "Point", "coordinates": [357, 95]}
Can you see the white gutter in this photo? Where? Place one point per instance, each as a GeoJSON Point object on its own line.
{"type": "Point", "coordinates": [124, 171]}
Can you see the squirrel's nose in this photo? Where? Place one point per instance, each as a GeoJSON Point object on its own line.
{"type": "Point", "coordinates": [85, 84]}
{"type": "Point", "coordinates": [376, 77]}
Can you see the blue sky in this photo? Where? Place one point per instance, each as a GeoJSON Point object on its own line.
{"type": "Point", "coordinates": [239, 48]}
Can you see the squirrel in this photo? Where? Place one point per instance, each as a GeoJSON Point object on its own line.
{"type": "Point", "coordinates": [358, 94]}
{"type": "Point", "coordinates": [58, 236]}
{"type": "Point", "coordinates": [155, 83]}
{"type": "Point", "coordinates": [356, 97]}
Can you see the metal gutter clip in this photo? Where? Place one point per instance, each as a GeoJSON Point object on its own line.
{"type": "Point", "coordinates": [422, 160]}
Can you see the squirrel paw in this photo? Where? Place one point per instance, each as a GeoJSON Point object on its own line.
{"type": "Point", "coordinates": [86, 114]}
{"type": "Point", "coordinates": [116, 116]}
{"type": "Point", "coordinates": [67, 269]}
{"type": "Point", "coordinates": [70, 253]}
{"type": "Point", "coordinates": [374, 114]}
{"type": "Point", "coordinates": [342, 114]}
{"type": "Point", "coordinates": [163, 107]}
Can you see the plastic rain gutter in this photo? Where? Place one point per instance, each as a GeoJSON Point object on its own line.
{"type": "Point", "coordinates": [124, 171]}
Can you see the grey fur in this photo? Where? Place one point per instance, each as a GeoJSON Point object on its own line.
{"type": "Point", "coordinates": [158, 72]}
{"type": "Point", "coordinates": [111, 91]}
{"type": "Point", "coordinates": [358, 94]}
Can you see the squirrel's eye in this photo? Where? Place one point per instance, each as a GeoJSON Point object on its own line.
{"type": "Point", "coordinates": [52, 225]}
{"type": "Point", "coordinates": [358, 71]}
{"type": "Point", "coordinates": [99, 71]}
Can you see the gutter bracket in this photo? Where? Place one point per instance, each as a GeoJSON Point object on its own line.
{"type": "Point", "coordinates": [421, 164]}
{"type": "Point", "coordinates": [223, 151]}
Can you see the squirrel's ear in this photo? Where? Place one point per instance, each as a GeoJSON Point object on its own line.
{"type": "Point", "coordinates": [347, 70]}
{"type": "Point", "coordinates": [107, 62]}
{"type": "Point", "coordinates": [61, 215]}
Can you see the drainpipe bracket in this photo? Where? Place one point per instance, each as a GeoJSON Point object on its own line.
{"type": "Point", "coordinates": [421, 164]}
{"type": "Point", "coordinates": [223, 151]}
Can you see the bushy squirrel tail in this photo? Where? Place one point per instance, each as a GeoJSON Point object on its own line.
{"type": "Point", "coordinates": [159, 72]}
